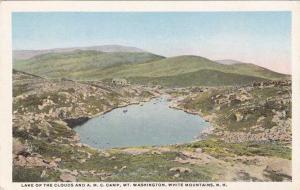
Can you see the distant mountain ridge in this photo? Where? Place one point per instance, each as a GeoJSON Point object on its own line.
{"type": "Point", "coordinates": [27, 54]}
{"type": "Point", "coordinates": [228, 61]}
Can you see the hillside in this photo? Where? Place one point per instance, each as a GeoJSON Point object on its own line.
{"type": "Point", "coordinates": [27, 54]}
{"type": "Point", "coordinates": [198, 78]}
{"type": "Point", "coordinates": [180, 65]}
{"type": "Point", "coordinates": [251, 140]}
{"type": "Point", "coordinates": [57, 65]}
{"type": "Point", "coordinates": [141, 67]}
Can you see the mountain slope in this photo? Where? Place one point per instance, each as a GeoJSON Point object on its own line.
{"type": "Point", "coordinates": [27, 54]}
{"type": "Point", "coordinates": [57, 65]}
{"type": "Point", "coordinates": [199, 78]}
{"type": "Point", "coordinates": [175, 66]}
{"type": "Point", "coordinates": [142, 67]}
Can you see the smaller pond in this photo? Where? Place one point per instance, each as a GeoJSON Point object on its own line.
{"type": "Point", "coordinates": [150, 123]}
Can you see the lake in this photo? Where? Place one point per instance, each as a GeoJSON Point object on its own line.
{"type": "Point", "coordinates": [150, 123]}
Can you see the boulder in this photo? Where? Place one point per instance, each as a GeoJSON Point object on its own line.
{"type": "Point", "coordinates": [35, 161]}
{"type": "Point", "coordinates": [79, 144]}
{"type": "Point", "coordinates": [238, 117]}
{"type": "Point", "coordinates": [57, 159]}
{"type": "Point", "coordinates": [21, 161]}
{"type": "Point", "coordinates": [53, 164]}
{"type": "Point", "coordinates": [123, 168]}
{"type": "Point", "coordinates": [76, 138]}
{"type": "Point", "coordinates": [89, 155]}
{"type": "Point", "coordinates": [260, 119]}
{"type": "Point", "coordinates": [279, 167]}
{"type": "Point", "coordinates": [198, 150]}
{"type": "Point", "coordinates": [44, 174]}
{"type": "Point", "coordinates": [74, 172]}
{"type": "Point", "coordinates": [40, 107]}
{"type": "Point", "coordinates": [105, 154]}
{"type": "Point", "coordinates": [156, 152]}
{"type": "Point", "coordinates": [84, 173]}
{"type": "Point", "coordinates": [66, 177]}
{"type": "Point", "coordinates": [18, 147]}
{"type": "Point", "coordinates": [181, 170]}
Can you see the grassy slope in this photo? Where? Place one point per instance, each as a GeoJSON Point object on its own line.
{"type": "Point", "coordinates": [180, 65]}
{"type": "Point", "coordinates": [198, 78]}
{"type": "Point", "coordinates": [175, 71]}
{"type": "Point", "coordinates": [56, 65]}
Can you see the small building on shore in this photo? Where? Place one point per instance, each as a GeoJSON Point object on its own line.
{"type": "Point", "coordinates": [119, 81]}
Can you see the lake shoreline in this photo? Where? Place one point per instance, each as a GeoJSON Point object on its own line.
{"type": "Point", "coordinates": [105, 111]}
{"type": "Point", "coordinates": [204, 133]}
{"type": "Point", "coordinates": [159, 103]}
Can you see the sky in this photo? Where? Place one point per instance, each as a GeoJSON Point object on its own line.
{"type": "Point", "coordinates": [262, 38]}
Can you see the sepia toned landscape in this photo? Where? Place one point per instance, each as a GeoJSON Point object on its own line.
{"type": "Point", "coordinates": [122, 113]}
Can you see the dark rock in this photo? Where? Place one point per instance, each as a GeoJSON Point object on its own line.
{"type": "Point", "coordinates": [73, 122]}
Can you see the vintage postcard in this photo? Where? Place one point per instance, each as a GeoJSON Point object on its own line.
{"type": "Point", "coordinates": [150, 95]}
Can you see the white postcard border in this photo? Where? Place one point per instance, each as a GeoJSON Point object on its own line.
{"type": "Point", "coordinates": [6, 8]}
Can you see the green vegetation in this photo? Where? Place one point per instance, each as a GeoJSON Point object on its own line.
{"type": "Point", "coordinates": [57, 65]}
{"type": "Point", "coordinates": [61, 130]}
{"type": "Point", "coordinates": [144, 68]}
{"type": "Point", "coordinates": [23, 174]}
{"type": "Point", "coordinates": [20, 89]}
{"type": "Point", "coordinates": [202, 103]}
{"type": "Point", "coordinates": [144, 167]}
{"type": "Point", "coordinates": [27, 174]}
{"type": "Point", "coordinates": [197, 78]}
{"type": "Point", "coordinates": [187, 64]}
{"type": "Point", "coordinates": [220, 149]}
{"type": "Point", "coordinates": [32, 102]}
{"type": "Point", "coordinates": [22, 134]}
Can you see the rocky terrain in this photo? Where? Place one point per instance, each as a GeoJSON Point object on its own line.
{"type": "Point", "coordinates": [250, 141]}
{"type": "Point", "coordinates": [260, 112]}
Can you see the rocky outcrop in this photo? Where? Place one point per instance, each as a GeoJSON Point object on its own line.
{"type": "Point", "coordinates": [66, 177]}
{"type": "Point", "coordinates": [73, 122]}
{"type": "Point", "coordinates": [256, 113]}
{"type": "Point", "coordinates": [238, 117]}
{"type": "Point", "coordinates": [18, 147]}
{"type": "Point", "coordinates": [279, 169]}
